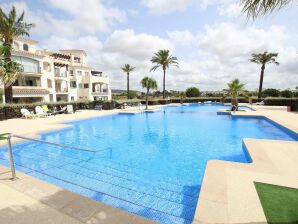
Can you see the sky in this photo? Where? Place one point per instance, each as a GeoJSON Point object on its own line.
{"type": "Point", "coordinates": [212, 40]}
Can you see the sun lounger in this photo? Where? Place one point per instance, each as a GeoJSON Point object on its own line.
{"type": "Point", "coordinates": [61, 111]}
{"type": "Point", "coordinates": [47, 110]}
{"type": "Point", "coordinates": [262, 103]}
{"type": "Point", "coordinates": [26, 114]}
{"type": "Point", "coordinates": [39, 112]}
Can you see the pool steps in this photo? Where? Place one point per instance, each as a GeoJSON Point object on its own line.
{"type": "Point", "coordinates": [161, 201]}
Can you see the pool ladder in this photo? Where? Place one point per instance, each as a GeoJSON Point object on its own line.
{"type": "Point", "coordinates": [10, 154]}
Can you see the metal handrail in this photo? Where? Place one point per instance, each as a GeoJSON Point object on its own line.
{"type": "Point", "coordinates": [11, 160]}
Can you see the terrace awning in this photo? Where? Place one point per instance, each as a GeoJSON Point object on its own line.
{"type": "Point", "coordinates": [61, 56]}
{"type": "Point", "coordinates": [23, 91]}
{"type": "Point", "coordinates": [60, 64]}
{"type": "Point", "coordinates": [93, 72]}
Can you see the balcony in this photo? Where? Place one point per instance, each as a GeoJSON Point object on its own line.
{"type": "Point", "coordinates": [61, 90]}
{"type": "Point", "coordinates": [104, 92]}
{"type": "Point", "coordinates": [60, 75]}
{"type": "Point", "coordinates": [29, 91]}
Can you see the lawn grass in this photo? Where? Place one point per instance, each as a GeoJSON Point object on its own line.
{"type": "Point", "coordinates": [280, 204]}
{"type": "Point", "coordinates": [3, 136]}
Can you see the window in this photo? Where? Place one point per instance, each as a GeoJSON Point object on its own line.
{"type": "Point", "coordinates": [72, 98]}
{"type": "Point", "coordinates": [86, 86]}
{"type": "Point", "coordinates": [86, 73]}
{"type": "Point", "coordinates": [80, 85]}
{"type": "Point", "coordinates": [25, 47]}
{"type": "Point", "coordinates": [29, 82]}
{"type": "Point", "coordinates": [71, 72]}
{"type": "Point", "coordinates": [50, 84]}
{"type": "Point", "coordinates": [73, 84]}
{"type": "Point", "coordinates": [46, 66]}
{"type": "Point", "coordinates": [29, 65]}
{"type": "Point", "coordinates": [79, 72]}
{"type": "Point", "coordinates": [77, 60]}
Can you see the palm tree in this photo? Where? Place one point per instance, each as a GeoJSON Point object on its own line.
{"type": "Point", "coordinates": [263, 59]}
{"type": "Point", "coordinates": [9, 70]}
{"type": "Point", "coordinates": [235, 88]}
{"type": "Point", "coordinates": [163, 59]}
{"type": "Point", "coordinates": [148, 83]}
{"type": "Point", "coordinates": [10, 28]}
{"type": "Point", "coordinates": [254, 8]}
{"type": "Point", "coordinates": [127, 68]}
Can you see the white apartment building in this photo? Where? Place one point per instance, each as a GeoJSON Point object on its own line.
{"type": "Point", "coordinates": [56, 76]}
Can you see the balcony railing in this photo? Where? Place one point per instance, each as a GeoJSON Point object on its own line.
{"type": "Point", "coordinates": [103, 92]}
{"type": "Point", "coordinates": [60, 74]}
{"type": "Point", "coordinates": [61, 90]}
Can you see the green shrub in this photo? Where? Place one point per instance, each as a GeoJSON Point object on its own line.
{"type": "Point", "coordinates": [271, 93]}
{"type": "Point", "coordinates": [286, 93]}
{"type": "Point", "coordinates": [192, 92]}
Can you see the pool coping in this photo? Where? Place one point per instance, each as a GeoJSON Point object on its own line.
{"type": "Point", "coordinates": [228, 187]}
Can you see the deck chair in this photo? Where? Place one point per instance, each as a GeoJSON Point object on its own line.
{"type": "Point", "coordinates": [47, 110]}
{"type": "Point", "coordinates": [262, 103]}
{"type": "Point", "coordinates": [39, 112]}
{"type": "Point", "coordinates": [26, 114]}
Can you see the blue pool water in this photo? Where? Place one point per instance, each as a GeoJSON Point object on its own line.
{"type": "Point", "coordinates": [150, 164]}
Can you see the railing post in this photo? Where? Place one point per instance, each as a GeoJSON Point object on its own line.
{"type": "Point", "coordinates": [12, 167]}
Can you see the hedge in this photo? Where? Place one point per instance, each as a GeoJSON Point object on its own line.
{"type": "Point", "coordinates": [289, 102]}
{"type": "Point", "coordinates": [9, 111]}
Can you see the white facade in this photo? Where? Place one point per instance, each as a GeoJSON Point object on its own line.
{"type": "Point", "coordinates": [56, 76]}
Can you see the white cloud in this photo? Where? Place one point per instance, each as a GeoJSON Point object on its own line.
{"type": "Point", "coordinates": [160, 7]}
{"type": "Point", "coordinates": [163, 7]}
{"type": "Point", "coordinates": [184, 37]}
{"type": "Point", "coordinates": [135, 46]}
{"type": "Point", "coordinates": [88, 16]}
{"type": "Point", "coordinates": [230, 10]}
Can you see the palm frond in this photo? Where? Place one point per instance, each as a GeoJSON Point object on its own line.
{"type": "Point", "coordinates": [155, 67]}
{"type": "Point", "coordinates": [255, 8]}
{"type": "Point", "coordinates": [127, 68]}
{"type": "Point", "coordinates": [264, 58]}
{"type": "Point", "coordinates": [163, 59]}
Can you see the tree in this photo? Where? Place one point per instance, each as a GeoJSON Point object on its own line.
{"type": "Point", "coordinates": [163, 59]}
{"type": "Point", "coordinates": [9, 70]}
{"type": "Point", "coordinates": [127, 68]}
{"type": "Point", "coordinates": [263, 59]}
{"type": "Point", "coordinates": [286, 93]}
{"type": "Point", "coordinates": [148, 83]}
{"type": "Point", "coordinates": [235, 88]}
{"type": "Point", "coordinates": [271, 92]}
{"type": "Point", "coordinates": [10, 28]}
{"type": "Point", "coordinates": [255, 8]}
{"type": "Point", "coordinates": [192, 92]}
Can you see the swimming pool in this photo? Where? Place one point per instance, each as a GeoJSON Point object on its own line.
{"type": "Point", "coordinates": [150, 164]}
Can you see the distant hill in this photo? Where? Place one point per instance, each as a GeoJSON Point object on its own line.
{"type": "Point", "coordinates": [121, 91]}
{"type": "Point", "coordinates": [118, 91]}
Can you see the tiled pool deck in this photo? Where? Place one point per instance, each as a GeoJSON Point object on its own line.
{"type": "Point", "coordinates": [227, 195]}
